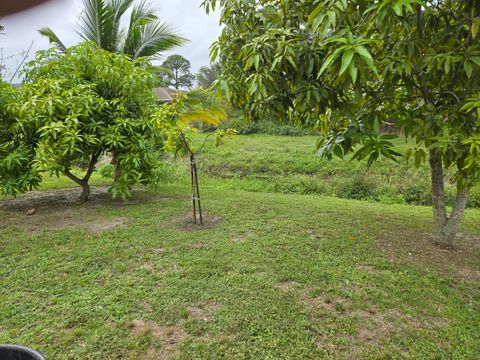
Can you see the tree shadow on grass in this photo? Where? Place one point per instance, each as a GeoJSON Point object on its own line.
{"type": "Point", "coordinates": [50, 210]}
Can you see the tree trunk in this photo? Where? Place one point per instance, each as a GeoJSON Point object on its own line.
{"type": "Point", "coordinates": [118, 167]}
{"type": "Point", "coordinates": [446, 236]}
{"type": "Point", "coordinates": [84, 196]}
{"type": "Point", "coordinates": [85, 192]}
{"type": "Point", "coordinates": [438, 190]}
{"type": "Point", "coordinates": [446, 228]}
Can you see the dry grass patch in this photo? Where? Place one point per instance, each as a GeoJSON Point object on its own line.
{"type": "Point", "coordinates": [186, 223]}
{"type": "Point", "coordinates": [51, 210]}
{"type": "Point", "coordinates": [419, 250]}
{"type": "Point", "coordinates": [287, 285]}
{"type": "Point", "coordinates": [81, 218]}
{"type": "Point", "coordinates": [169, 338]}
{"type": "Point", "coordinates": [202, 312]}
{"type": "Point", "coordinates": [243, 236]}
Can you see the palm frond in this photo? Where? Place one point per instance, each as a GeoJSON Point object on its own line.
{"type": "Point", "coordinates": [200, 105]}
{"type": "Point", "coordinates": [142, 13]}
{"type": "Point", "coordinates": [100, 23]}
{"type": "Point", "coordinates": [118, 8]}
{"type": "Point", "coordinates": [52, 38]}
{"type": "Point", "coordinates": [154, 38]}
{"type": "Point", "coordinates": [95, 23]}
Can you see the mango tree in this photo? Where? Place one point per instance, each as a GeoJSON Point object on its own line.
{"type": "Point", "coordinates": [130, 27]}
{"type": "Point", "coordinates": [80, 104]}
{"type": "Point", "coordinates": [352, 66]}
{"type": "Point", "coordinates": [173, 121]}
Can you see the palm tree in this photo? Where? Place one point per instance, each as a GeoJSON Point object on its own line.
{"type": "Point", "coordinates": [100, 22]}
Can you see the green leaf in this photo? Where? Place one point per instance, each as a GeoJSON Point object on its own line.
{"type": "Point", "coordinates": [468, 67]}
{"type": "Point", "coordinates": [397, 8]}
{"type": "Point", "coordinates": [365, 54]}
{"type": "Point", "coordinates": [346, 60]}
{"type": "Point", "coordinates": [475, 27]}
{"type": "Point", "coordinates": [328, 61]}
{"type": "Point", "coordinates": [475, 59]}
{"type": "Point", "coordinates": [353, 72]}
{"type": "Point", "coordinates": [315, 13]}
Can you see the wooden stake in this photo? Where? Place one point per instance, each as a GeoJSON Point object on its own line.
{"type": "Point", "coordinates": [198, 192]}
{"type": "Point", "coordinates": [192, 178]}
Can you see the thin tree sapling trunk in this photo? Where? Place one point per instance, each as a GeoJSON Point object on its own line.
{"type": "Point", "coordinates": [446, 237]}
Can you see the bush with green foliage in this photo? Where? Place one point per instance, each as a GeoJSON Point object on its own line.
{"type": "Point", "coordinates": [245, 127]}
{"type": "Point", "coordinates": [106, 171]}
{"type": "Point", "coordinates": [17, 173]}
{"type": "Point", "coordinates": [81, 103]}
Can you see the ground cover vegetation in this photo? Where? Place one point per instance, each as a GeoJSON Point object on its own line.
{"type": "Point", "coordinates": [138, 280]}
{"type": "Point", "coordinates": [291, 164]}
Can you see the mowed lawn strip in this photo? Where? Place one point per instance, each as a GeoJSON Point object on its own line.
{"type": "Point", "coordinates": [269, 276]}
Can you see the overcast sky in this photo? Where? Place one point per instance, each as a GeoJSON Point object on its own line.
{"type": "Point", "coordinates": [185, 16]}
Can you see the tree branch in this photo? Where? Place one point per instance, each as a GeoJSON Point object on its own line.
{"type": "Point", "coordinates": [25, 56]}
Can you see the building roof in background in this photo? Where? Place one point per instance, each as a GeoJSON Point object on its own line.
{"type": "Point", "coordinates": [164, 94]}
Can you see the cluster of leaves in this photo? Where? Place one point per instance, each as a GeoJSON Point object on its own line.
{"type": "Point", "coordinates": [269, 62]}
{"type": "Point", "coordinates": [16, 151]}
{"type": "Point", "coordinates": [77, 105]}
{"type": "Point", "coordinates": [426, 67]}
{"type": "Point", "coordinates": [174, 119]}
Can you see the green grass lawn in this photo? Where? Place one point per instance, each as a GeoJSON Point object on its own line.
{"type": "Point", "coordinates": [270, 275]}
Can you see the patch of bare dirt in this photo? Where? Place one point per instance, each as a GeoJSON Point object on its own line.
{"type": "Point", "coordinates": [53, 200]}
{"type": "Point", "coordinates": [243, 236]}
{"type": "Point", "coordinates": [287, 285]}
{"type": "Point", "coordinates": [51, 210]}
{"type": "Point", "coordinates": [419, 249]}
{"type": "Point", "coordinates": [368, 269]}
{"type": "Point", "coordinates": [374, 326]}
{"type": "Point", "coordinates": [327, 303]}
{"type": "Point", "coordinates": [81, 218]}
{"type": "Point", "coordinates": [203, 312]}
{"type": "Point", "coordinates": [165, 270]}
{"type": "Point", "coordinates": [186, 223]}
{"type": "Point", "coordinates": [199, 246]}
{"type": "Point", "coordinates": [315, 233]}
{"type": "Point", "coordinates": [170, 338]}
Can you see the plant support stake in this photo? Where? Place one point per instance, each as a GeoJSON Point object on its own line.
{"type": "Point", "coordinates": [196, 200]}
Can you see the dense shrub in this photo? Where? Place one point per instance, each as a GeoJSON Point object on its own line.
{"type": "Point", "coordinates": [359, 188]}
{"type": "Point", "coordinates": [106, 171]}
{"type": "Point", "coordinates": [244, 127]}
{"type": "Point", "coordinates": [474, 199]}
{"type": "Point", "coordinates": [417, 195]}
